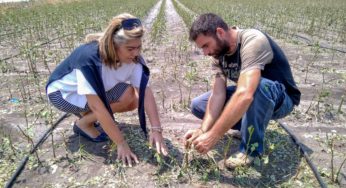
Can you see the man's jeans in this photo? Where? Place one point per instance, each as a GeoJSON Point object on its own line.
{"type": "Point", "coordinates": [270, 102]}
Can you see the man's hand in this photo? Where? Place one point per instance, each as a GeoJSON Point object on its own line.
{"type": "Point", "coordinates": [156, 140]}
{"type": "Point", "coordinates": [205, 142]}
{"type": "Point", "coordinates": [191, 135]}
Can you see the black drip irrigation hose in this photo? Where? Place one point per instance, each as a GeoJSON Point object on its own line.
{"type": "Point", "coordinates": [309, 42]}
{"type": "Point", "coordinates": [44, 43]}
{"type": "Point", "coordinates": [43, 138]}
{"type": "Point", "coordinates": [305, 154]}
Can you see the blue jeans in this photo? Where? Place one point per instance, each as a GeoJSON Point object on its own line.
{"type": "Point", "coordinates": [270, 102]}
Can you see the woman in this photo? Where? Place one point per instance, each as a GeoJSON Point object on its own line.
{"type": "Point", "coordinates": [104, 76]}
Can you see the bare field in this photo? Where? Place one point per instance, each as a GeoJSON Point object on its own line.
{"type": "Point", "coordinates": [32, 44]}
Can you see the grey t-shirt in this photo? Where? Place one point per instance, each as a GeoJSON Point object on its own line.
{"type": "Point", "coordinates": [256, 50]}
{"type": "Point", "coordinates": [254, 53]}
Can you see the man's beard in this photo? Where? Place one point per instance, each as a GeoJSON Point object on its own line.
{"type": "Point", "coordinates": [223, 48]}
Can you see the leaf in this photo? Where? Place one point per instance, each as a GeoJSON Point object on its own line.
{"type": "Point", "coordinates": [254, 146]}
{"type": "Point", "coordinates": [265, 159]}
{"type": "Point", "coordinates": [271, 147]}
{"type": "Point", "coordinates": [273, 178]}
{"type": "Point", "coordinates": [158, 158]}
{"type": "Point", "coordinates": [257, 161]}
{"type": "Point", "coordinates": [251, 129]}
{"type": "Point", "coordinates": [180, 174]}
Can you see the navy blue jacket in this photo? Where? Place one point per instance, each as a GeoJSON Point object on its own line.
{"type": "Point", "coordinates": [87, 59]}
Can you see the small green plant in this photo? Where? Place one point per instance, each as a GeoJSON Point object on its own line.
{"type": "Point", "coordinates": [191, 77]}
{"type": "Point", "coordinates": [187, 150]}
{"type": "Point", "coordinates": [9, 153]}
{"type": "Point", "coordinates": [321, 98]}
{"type": "Point", "coordinates": [159, 159]}
{"type": "Point", "coordinates": [207, 83]}
{"type": "Point", "coordinates": [65, 144]}
{"type": "Point", "coordinates": [121, 173]}
{"type": "Point", "coordinates": [341, 103]}
{"type": "Point", "coordinates": [82, 154]}
{"type": "Point", "coordinates": [227, 148]}
{"type": "Point", "coordinates": [253, 146]}
{"type": "Point", "coordinates": [316, 51]}
{"type": "Point", "coordinates": [331, 143]}
{"type": "Point", "coordinates": [159, 25]}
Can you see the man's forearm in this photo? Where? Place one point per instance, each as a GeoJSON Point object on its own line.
{"type": "Point", "coordinates": [237, 106]}
{"type": "Point", "coordinates": [216, 103]}
{"type": "Point", "coordinates": [239, 102]}
{"type": "Point", "coordinates": [213, 111]}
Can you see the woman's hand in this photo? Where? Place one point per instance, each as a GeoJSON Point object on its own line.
{"type": "Point", "coordinates": [125, 154]}
{"type": "Point", "coordinates": [108, 125]}
{"type": "Point", "coordinates": [156, 140]}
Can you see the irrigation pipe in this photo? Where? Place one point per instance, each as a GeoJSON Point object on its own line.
{"type": "Point", "coordinates": [38, 45]}
{"type": "Point", "coordinates": [309, 42]}
{"type": "Point", "coordinates": [305, 154]}
{"type": "Point", "coordinates": [26, 158]}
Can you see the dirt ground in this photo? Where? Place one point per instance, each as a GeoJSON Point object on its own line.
{"type": "Point", "coordinates": [76, 162]}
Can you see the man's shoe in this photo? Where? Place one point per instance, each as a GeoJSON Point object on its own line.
{"type": "Point", "coordinates": [239, 159]}
{"type": "Point", "coordinates": [235, 134]}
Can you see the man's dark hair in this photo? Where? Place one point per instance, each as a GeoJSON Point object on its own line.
{"type": "Point", "coordinates": [206, 24]}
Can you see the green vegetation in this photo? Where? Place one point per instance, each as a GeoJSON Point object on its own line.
{"type": "Point", "coordinates": [323, 20]}
{"type": "Point", "coordinates": [186, 14]}
{"type": "Point", "coordinates": [159, 26]}
{"type": "Point", "coordinates": [36, 36]}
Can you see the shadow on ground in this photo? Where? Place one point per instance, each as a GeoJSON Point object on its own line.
{"type": "Point", "coordinates": [134, 137]}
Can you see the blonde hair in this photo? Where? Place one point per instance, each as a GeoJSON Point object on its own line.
{"type": "Point", "coordinates": [113, 37]}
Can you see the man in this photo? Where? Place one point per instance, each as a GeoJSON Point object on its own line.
{"type": "Point", "coordinates": [264, 88]}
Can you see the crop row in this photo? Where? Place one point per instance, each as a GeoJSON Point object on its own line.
{"type": "Point", "coordinates": [324, 20]}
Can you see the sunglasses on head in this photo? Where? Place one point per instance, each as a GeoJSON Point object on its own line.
{"type": "Point", "coordinates": [131, 23]}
